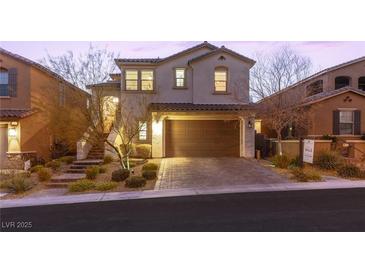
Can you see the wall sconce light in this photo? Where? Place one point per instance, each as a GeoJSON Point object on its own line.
{"type": "Point", "coordinates": [12, 132]}
{"type": "Point", "coordinates": [249, 124]}
{"type": "Point", "coordinates": [14, 124]}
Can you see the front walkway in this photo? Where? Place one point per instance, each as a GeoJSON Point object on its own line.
{"type": "Point", "coordinates": [176, 173]}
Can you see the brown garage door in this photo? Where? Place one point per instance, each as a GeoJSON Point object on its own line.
{"type": "Point", "coordinates": [202, 138]}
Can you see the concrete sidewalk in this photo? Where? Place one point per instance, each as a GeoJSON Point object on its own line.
{"type": "Point", "coordinates": [147, 194]}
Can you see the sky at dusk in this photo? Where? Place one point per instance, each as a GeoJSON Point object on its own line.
{"type": "Point", "coordinates": [322, 54]}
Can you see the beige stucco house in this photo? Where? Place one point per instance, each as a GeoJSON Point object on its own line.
{"type": "Point", "coordinates": [198, 101]}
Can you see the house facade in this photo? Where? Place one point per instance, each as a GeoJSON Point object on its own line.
{"type": "Point", "coordinates": [26, 90]}
{"type": "Point", "coordinates": [198, 101]}
{"type": "Point", "coordinates": [336, 98]}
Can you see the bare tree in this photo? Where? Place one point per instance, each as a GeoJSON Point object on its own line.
{"type": "Point", "coordinates": [269, 78]}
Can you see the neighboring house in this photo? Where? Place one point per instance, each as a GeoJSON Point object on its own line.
{"type": "Point", "coordinates": [198, 101]}
{"type": "Point", "coordinates": [26, 90]}
{"type": "Point", "coordinates": [336, 97]}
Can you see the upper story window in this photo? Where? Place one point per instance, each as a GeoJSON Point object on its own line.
{"type": "Point", "coordinates": [315, 88]}
{"type": "Point", "coordinates": [142, 135]}
{"type": "Point", "coordinates": [342, 81]}
{"type": "Point", "coordinates": [362, 83]}
{"type": "Point", "coordinates": [180, 77]}
{"type": "Point", "coordinates": [220, 80]}
{"type": "Point", "coordinates": [4, 82]}
{"type": "Point", "coordinates": [131, 79]}
{"type": "Point", "coordinates": [346, 122]}
{"type": "Point", "coordinates": [147, 80]}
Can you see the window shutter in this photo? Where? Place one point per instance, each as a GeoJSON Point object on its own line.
{"type": "Point", "coordinates": [336, 122]}
{"type": "Point", "coordinates": [357, 122]}
{"type": "Point", "coordinates": [12, 82]}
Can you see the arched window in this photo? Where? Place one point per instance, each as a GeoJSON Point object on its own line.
{"type": "Point", "coordinates": [4, 82]}
{"type": "Point", "coordinates": [315, 88]}
{"type": "Point", "coordinates": [342, 81]}
{"type": "Point", "coordinates": [220, 79]}
{"type": "Point", "coordinates": [362, 83]}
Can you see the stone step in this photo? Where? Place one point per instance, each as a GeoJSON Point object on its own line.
{"type": "Point", "coordinates": [67, 177]}
{"type": "Point", "coordinates": [76, 170]}
{"type": "Point", "coordinates": [88, 162]}
{"type": "Point", "coordinates": [79, 166]}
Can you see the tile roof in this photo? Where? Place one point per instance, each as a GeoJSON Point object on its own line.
{"type": "Point", "coordinates": [113, 83]}
{"type": "Point", "coordinates": [39, 66]}
{"type": "Point", "coordinates": [327, 94]}
{"type": "Point", "coordinates": [15, 113]}
{"type": "Point", "coordinates": [199, 107]}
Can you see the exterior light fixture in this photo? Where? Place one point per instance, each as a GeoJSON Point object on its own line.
{"type": "Point", "coordinates": [14, 123]}
{"type": "Point", "coordinates": [249, 124]}
{"type": "Point", "coordinates": [12, 132]}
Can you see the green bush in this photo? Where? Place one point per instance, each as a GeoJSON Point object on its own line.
{"type": "Point", "coordinates": [81, 185]}
{"type": "Point", "coordinates": [17, 184]}
{"type": "Point", "coordinates": [102, 169]}
{"type": "Point", "coordinates": [120, 175]}
{"type": "Point", "coordinates": [348, 171]}
{"type": "Point", "coordinates": [150, 166]}
{"type": "Point", "coordinates": [302, 175]}
{"type": "Point", "coordinates": [91, 172]}
{"type": "Point", "coordinates": [105, 186]}
{"type": "Point", "coordinates": [294, 162]}
{"type": "Point", "coordinates": [54, 164]}
{"type": "Point", "coordinates": [328, 160]}
{"type": "Point", "coordinates": [108, 159]}
{"type": "Point", "coordinates": [67, 159]}
{"type": "Point", "coordinates": [135, 182]}
{"type": "Point", "coordinates": [281, 161]}
{"type": "Point", "coordinates": [44, 174]}
{"type": "Point", "coordinates": [143, 151]}
{"type": "Point", "coordinates": [149, 174]}
{"type": "Point", "coordinates": [36, 168]}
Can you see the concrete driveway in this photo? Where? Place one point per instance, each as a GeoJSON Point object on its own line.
{"type": "Point", "coordinates": [213, 172]}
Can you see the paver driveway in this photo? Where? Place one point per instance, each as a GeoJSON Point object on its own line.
{"type": "Point", "coordinates": [213, 172]}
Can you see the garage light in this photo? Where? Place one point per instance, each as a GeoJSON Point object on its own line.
{"type": "Point", "coordinates": [12, 132]}
{"type": "Point", "coordinates": [157, 127]}
{"type": "Point", "coordinates": [249, 124]}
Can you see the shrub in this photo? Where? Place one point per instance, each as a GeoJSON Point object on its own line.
{"type": "Point", "coordinates": [294, 162]}
{"type": "Point", "coordinates": [281, 161]}
{"type": "Point", "coordinates": [135, 182]}
{"type": "Point", "coordinates": [91, 172]}
{"type": "Point", "coordinates": [150, 166]}
{"type": "Point", "coordinates": [44, 174]}
{"type": "Point", "coordinates": [108, 159]}
{"type": "Point", "coordinates": [67, 159]}
{"type": "Point", "coordinates": [348, 171]}
{"type": "Point", "coordinates": [120, 175]}
{"type": "Point", "coordinates": [102, 169]}
{"type": "Point", "coordinates": [104, 186]}
{"type": "Point", "coordinates": [54, 164]}
{"type": "Point", "coordinates": [81, 185]}
{"type": "Point", "coordinates": [302, 175]}
{"type": "Point", "coordinates": [143, 151]}
{"type": "Point", "coordinates": [149, 174]}
{"type": "Point", "coordinates": [328, 160]}
{"type": "Point", "coordinates": [17, 184]}
{"type": "Point", "coordinates": [36, 168]}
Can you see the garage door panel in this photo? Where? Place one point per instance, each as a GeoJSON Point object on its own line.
{"type": "Point", "coordinates": [202, 138]}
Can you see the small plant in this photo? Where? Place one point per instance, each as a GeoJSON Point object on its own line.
{"type": "Point", "coordinates": [91, 172]}
{"type": "Point", "coordinates": [44, 174]}
{"type": "Point", "coordinates": [67, 159]}
{"type": "Point", "coordinates": [36, 168]}
{"type": "Point", "coordinates": [150, 166]}
{"type": "Point", "coordinates": [108, 159]}
{"type": "Point", "coordinates": [102, 169]}
{"type": "Point", "coordinates": [54, 164]}
{"type": "Point", "coordinates": [135, 182]}
{"type": "Point", "coordinates": [81, 185]}
{"type": "Point", "coordinates": [17, 184]}
{"type": "Point", "coordinates": [302, 175]}
{"type": "Point", "coordinates": [328, 160]}
{"type": "Point", "coordinates": [143, 151]}
{"type": "Point", "coordinates": [349, 171]}
{"type": "Point", "coordinates": [120, 175]}
{"type": "Point", "coordinates": [294, 162]}
{"type": "Point", "coordinates": [149, 174]}
{"type": "Point", "coordinates": [281, 161]}
{"type": "Point", "coordinates": [105, 186]}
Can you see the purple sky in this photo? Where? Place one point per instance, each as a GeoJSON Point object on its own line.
{"type": "Point", "coordinates": [323, 54]}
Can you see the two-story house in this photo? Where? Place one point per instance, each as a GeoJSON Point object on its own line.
{"type": "Point", "coordinates": [336, 98]}
{"type": "Point", "coordinates": [198, 101]}
{"type": "Point", "coordinates": [27, 89]}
